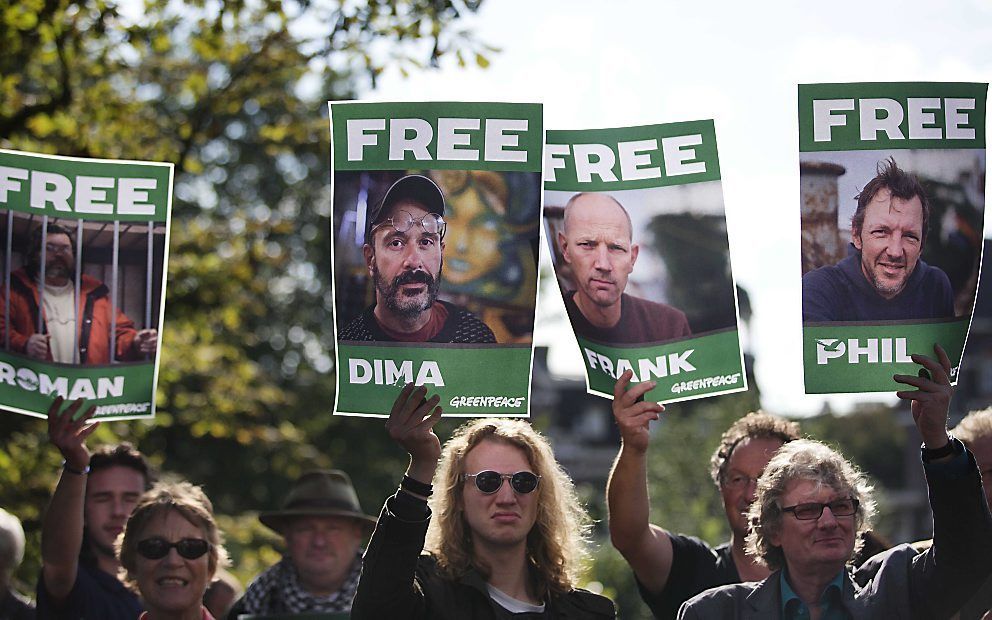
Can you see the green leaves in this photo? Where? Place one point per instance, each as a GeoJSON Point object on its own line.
{"type": "Point", "coordinates": [234, 94]}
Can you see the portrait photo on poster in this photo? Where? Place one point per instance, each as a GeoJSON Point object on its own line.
{"type": "Point", "coordinates": [436, 256]}
{"type": "Point", "coordinates": [110, 277]}
{"type": "Point", "coordinates": [642, 266]}
{"type": "Point", "coordinates": [435, 226]}
{"type": "Point", "coordinates": [84, 247]}
{"type": "Point", "coordinates": [891, 235]}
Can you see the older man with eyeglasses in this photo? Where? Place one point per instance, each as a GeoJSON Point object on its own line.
{"type": "Point", "coordinates": [671, 568]}
{"type": "Point", "coordinates": [404, 255]}
{"type": "Point", "coordinates": [812, 505]}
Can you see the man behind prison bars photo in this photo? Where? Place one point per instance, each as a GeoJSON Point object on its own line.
{"type": "Point", "coordinates": [73, 328]}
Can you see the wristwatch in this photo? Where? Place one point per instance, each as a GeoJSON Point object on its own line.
{"type": "Point", "coordinates": [73, 470]}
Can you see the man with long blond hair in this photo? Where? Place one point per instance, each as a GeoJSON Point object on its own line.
{"type": "Point", "coordinates": [509, 533]}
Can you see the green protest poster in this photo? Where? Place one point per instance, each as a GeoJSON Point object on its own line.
{"type": "Point", "coordinates": [435, 226]}
{"type": "Point", "coordinates": [635, 222]}
{"type": "Point", "coordinates": [84, 251]}
{"type": "Point", "coordinates": [892, 199]}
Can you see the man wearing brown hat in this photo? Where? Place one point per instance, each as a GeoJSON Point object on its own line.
{"type": "Point", "coordinates": [323, 525]}
{"type": "Point", "coordinates": [404, 253]}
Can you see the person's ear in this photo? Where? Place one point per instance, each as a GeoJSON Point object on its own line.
{"type": "Point", "coordinates": [563, 246]}
{"type": "Point", "coordinates": [369, 255]}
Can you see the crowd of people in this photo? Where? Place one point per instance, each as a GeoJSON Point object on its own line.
{"type": "Point", "coordinates": [489, 525]}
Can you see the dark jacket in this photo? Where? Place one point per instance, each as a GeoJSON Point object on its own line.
{"type": "Point", "coordinates": [93, 329]}
{"type": "Point", "coordinates": [842, 293]}
{"type": "Point", "coordinates": [398, 581]}
{"type": "Point", "coordinates": [898, 583]}
{"type": "Point", "coordinates": [462, 326]}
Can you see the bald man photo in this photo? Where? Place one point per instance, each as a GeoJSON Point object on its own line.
{"type": "Point", "coordinates": [596, 241]}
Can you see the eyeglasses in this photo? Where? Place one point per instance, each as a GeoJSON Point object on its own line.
{"type": "Point", "coordinates": [738, 481]}
{"type": "Point", "coordinates": [52, 248]}
{"type": "Point", "coordinates": [403, 221]}
{"type": "Point", "coordinates": [813, 510]}
{"type": "Point", "coordinates": [489, 481]}
{"type": "Point", "coordinates": [157, 548]}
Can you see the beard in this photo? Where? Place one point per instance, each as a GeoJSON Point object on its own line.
{"type": "Point", "coordinates": [886, 287]}
{"type": "Point", "coordinates": [55, 267]}
{"type": "Point", "coordinates": [403, 305]}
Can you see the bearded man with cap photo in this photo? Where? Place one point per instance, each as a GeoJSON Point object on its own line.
{"type": "Point", "coordinates": [322, 524]}
{"type": "Point", "coordinates": [404, 255]}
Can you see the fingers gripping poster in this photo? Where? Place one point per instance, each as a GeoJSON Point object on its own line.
{"type": "Point", "coordinates": [892, 179]}
{"type": "Point", "coordinates": [436, 221]}
{"type": "Point", "coordinates": [634, 218]}
{"type": "Point", "coordinates": [84, 250]}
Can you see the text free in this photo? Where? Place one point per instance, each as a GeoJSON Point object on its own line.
{"type": "Point", "coordinates": [49, 188]}
{"type": "Point", "coordinates": [500, 138]}
{"type": "Point", "coordinates": [677, 156]}
{"type": "Point", "coordinates": [886, 115]}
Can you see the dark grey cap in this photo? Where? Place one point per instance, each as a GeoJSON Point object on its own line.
{"type": "Point", "coordinates": [415, 187]}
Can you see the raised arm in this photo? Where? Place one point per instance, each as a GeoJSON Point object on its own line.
{"type": "Point", "coordinates": [387, 588]}
{"type": "Point", "coordinates": [931, 400]}
{"type": "Point", "coordinates": [62, 527]}
{"type": "Point", "coordinates": [647, 548]}
{"type": "Point", "coordinates": [960, 559]}
{"type": "Point", "coordinates": [411, 424]}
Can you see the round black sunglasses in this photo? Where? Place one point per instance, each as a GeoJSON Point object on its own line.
{"type": "Point", "coordinates": [489, 481]}
{"type": "Point", "coordinates": [157, 548]}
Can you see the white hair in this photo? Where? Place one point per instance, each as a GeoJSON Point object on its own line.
{"type": "Point", "coordinates": [11, 545]}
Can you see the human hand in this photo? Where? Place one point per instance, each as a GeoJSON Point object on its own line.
{"type": "Point", "coordinates": [68, 431]}
{"type": "Point", "coordinates": [634, 417]}
{"type": "Point", "coordinates": [37, 346]}
{"type": "Point", "coordinates": [146, 341]}
{"type": "Point", "coordinates": [411, 424]}
{"type": "Point", "coordinates": [932, 399]}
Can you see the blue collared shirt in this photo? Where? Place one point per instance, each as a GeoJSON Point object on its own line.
{"type": "Point", "coordinates": [793, 607]}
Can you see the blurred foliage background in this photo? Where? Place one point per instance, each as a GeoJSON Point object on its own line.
{"type": "Point", "coordinates": [234, 93]}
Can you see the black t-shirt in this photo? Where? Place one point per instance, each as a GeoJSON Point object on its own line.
{"type": "Point", "coordinates": [13, 606]}
{"type": "Point", "coordinates": [695, 567]}
{"type": "Point", "coordinates": [95, 594]}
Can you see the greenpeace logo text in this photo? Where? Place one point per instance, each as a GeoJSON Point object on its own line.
{"type": "Point", "coordinates": [491, 402]}
{"type": "Point", "coordinates": [706, 383]}
{"type": "Point", "coordinates": [862, 351]}
{"type": "Point", "coordinates": [123, 409]}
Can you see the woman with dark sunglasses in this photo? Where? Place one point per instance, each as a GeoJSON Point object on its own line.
{"type": "Point", "coordinates": [170, 550]}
